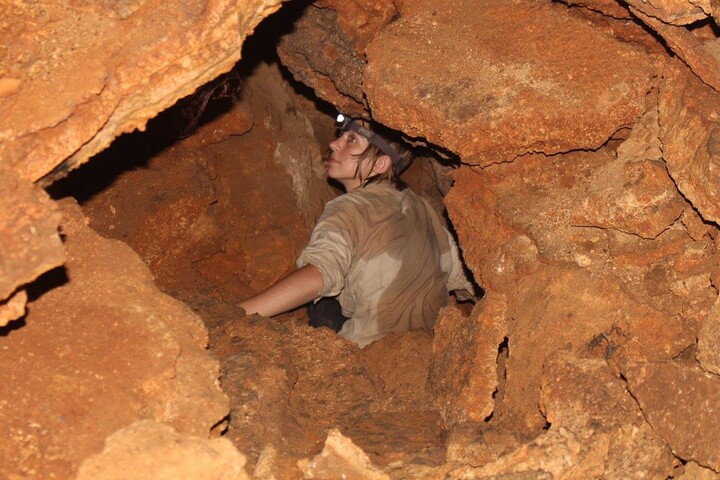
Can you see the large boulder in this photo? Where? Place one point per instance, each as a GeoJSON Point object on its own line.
{"type": "Point", "coordinates": [681, 403]}
{"type": "Point", "coordinates": [84, 73]}
{"type": "Point", "coordinates": [494, 80]}
{"type": "Point", "coordinates": [595, 430]}
{"type": "Point", "coordinates": [152, 451]}
{"type": "Point", "coordinates": [101, 348]}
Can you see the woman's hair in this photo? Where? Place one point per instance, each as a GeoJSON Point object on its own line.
{"type": "Point", "coordinates": [373, 153]}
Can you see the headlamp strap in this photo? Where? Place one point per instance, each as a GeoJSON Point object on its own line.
{"type": "Point", "coordinates": [346, 123]}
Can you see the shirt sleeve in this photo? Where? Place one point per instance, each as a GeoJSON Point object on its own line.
{"type": "Point", "coordinates": [457, 280]}
{"type": "Point", "coordinates": [331, 247]}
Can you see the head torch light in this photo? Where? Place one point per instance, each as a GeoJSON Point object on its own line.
{"type": "Point", "coordinates": [344, 123]}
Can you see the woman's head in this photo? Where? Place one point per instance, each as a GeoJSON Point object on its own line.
{"type": "Point", "coordinates": [367, 153]}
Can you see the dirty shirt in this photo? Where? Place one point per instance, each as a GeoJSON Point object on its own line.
{"type": "Point", "coordinates": [387, 258]}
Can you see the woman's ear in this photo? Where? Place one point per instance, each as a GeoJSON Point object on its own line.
{"type": "Point", "coordinates": [382, 164]}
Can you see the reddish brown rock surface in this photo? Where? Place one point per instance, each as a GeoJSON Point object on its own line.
{"type": "Point", "coordinates": [691, 139]}
{"type": "Point", "coordinates": [595, 430]}
{"type": "Point", "coordinates": [29, 241]}
{"type": "Point", "coordinates": [90, 66]}
{"type": "Point", "coordinates": [693, 471]}
{"type": "Point", "coordinates": [326, 48]}
{"type": "Point", "coordinates": [289, 384]}
{"type": "Point", "coordinates": [149, 451]}
{"type": "Point", "coordinates": [673, 11]}
{"type": "Point", "coordinates": [681, 403]}
{"type": "Point", "coordinates": [361, 20]}
{"type": "Point", "coordinates": [319, 54]}
{"type": "Point", "coordinates": [610, 8]}
{"type": "Point", "coordinates": [341, 457]}
{"type": "Point", "coordinates": [633, 194]}
{"type": "Point", "coordinates": [465, 349]}
{"type": "Point", "coordinates": [100, 350]}
{"type": "Point", "coordinates": [685, 27]}
{"type": "Point", "coordinates": [708, 353]}
{"type": "Point", "coordinates": [576, 285]}
{"type": "Point", "coordinates": [528, 78]}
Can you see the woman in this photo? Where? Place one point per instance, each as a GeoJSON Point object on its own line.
{"type": "Point", "coordinates": [379, 250]}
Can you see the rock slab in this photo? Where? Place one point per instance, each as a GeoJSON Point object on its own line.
{"type": "Point", "coordinates": [683, 406]}
{"type": "Point", "coordinates": [148, 450]}
{"type": "Point", "coordinates": [493, 80]}
{"type": "Point", "coordinates": [101, 348]}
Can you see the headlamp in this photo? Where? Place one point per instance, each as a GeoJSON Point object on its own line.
{"type": "Point", "coordinates": [344, 123]}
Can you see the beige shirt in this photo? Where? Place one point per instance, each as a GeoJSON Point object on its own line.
{"type": "Point", "coordinates": [387, 257]}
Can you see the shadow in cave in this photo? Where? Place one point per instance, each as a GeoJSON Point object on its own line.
{"type": "Point", "coordinates": [134, 150]}
{"type": "Point", "coordinates": [12, 326]}
{"type": "Point", "coordinates": [48, 281]}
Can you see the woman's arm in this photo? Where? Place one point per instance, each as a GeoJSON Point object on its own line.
{"type": "Point", "coordinates": [292, 291]}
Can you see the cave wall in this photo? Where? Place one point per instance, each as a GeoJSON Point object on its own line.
{"type": "Point", "coordinates": [585, 202]}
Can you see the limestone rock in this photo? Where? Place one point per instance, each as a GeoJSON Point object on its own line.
{"type": "Point", "coordinates": [29, 241]}
{"type": "Point", "coordinates": [497, 259]}
{"type": "Point", "coordinates": [326, 49]}
{"type": "Point", "coordinates": [402, 425]}
{"type": "Point", "coordinates": [529, 77]}
{"type": "Point", "coordinates": [463, 372]}
{"type": "Point", "coordinates": [565, 308]}
{"type": "Point", "coordinates": [611, 8]}
{"type": "Point", "coordinates": [708, 353]}
{"type": "Point", "coordinates": [532, 207]}
{"type": "Point", "coordinates": [403, 388]}
{"type": "Point", "coordinates": [361, 20]}
{"type": "Point", "coordinates": [101, 349]}
{"type": "Point", "coordinates": [673, 12]}
{"type": "Point", "coordinates": [409, 436]}
{"type": "Point", "coordinates": [690, 134]}
{"type": "Point", "coordinates": [633, 194]}
{"type": "Point", "coordinates": [573, 285]}
{"type": "Point", "coordinates": [693, 471]}
{"type": "Point", "coordinates": [583, 396]}
{"type": "Point", "coordinates": [147, 450]}
{"type": "Point", "coordinates": [479, 444]}
{"type": "Point", "coordinates": [289, 384]}
{"type": "Point", "coordinates": [319, 54]}
{"type": "Point", "coordinates": [701, 54]}
{"type": "Point", "coordinates": [13, 308]}
{"type": "Point", "coordinates": [596, 430]}
{"type": "Point", "coordinates": [105, 72]}
{"type": "Point", "coordinates": [340, 459]}
{"type": "Point", "coordinates": [681, 403]}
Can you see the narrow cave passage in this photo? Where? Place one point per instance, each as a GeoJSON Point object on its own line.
{"type": "Point", "coordinates": [221, 214]}
{"type": "Point", "coordinates": [585, 203]}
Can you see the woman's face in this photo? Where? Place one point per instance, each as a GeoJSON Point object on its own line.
{"type": "Point", "coordinates": [344, 158]}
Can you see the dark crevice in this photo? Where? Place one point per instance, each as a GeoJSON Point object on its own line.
{"type": "Point", "coordinates": [11, 326]}
{"type": "Point", "coordinates": [45, 283]}
{"type": "Point", "coordinates": [501, 369]}
{"type": "Point", "coordinates": [48, 281]}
